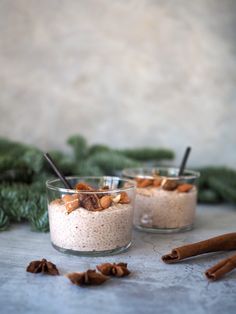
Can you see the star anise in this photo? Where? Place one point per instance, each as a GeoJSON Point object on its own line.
{"type": "Point", "coordinates": [90, 201]}
{"type": "Point", "coordinates": [88, 278]}
{"type": "Point", "coordinates": [42, 266]}
{"type": "Point", "coordinates": [117, 270]}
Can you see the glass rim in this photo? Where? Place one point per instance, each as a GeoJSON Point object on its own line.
{"type": "Point", "coordinates": [192, 174]}
{"type": "Point", "coordinates": [49, 185]}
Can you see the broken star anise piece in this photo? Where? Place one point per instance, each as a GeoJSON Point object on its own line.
{"type": "Point", "coordinates": [88, 278]}
{"type": "Point", "coordinates": [116, 270]}
{"type": "Point", "coordinates": [90, 202]}
{"type": "Point", "coordinates": [42, 266]}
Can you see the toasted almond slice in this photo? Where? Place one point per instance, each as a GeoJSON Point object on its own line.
{"type": "Point", "coordinates": [71, 202]}
{"type": "Point", "coordinates": [169, 184]}
{"type": "Point", "coordinates": [184, 188]}
{"type": "Point", "coordinates": [143, 182]}
{"type": "Point", "coordinates": [105, 201]}
{"type": "Point", "coordinates": [157, 181]}
{"type": "Point", "coordinates": [82, 186]}
{"type": "Point", "coordinates": [124, 198]}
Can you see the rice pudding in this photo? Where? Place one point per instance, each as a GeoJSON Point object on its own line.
{"type": "Point", "coordinates": [161, 209]}
{"type": "Point", "coordinates": [92, 219]}
{"type": "Point", "coordinates": [85, 230]}
{"type": "Point", "coordinates": [165, 202]}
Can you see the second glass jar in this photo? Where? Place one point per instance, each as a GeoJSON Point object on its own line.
{"type": "Point", "coordinates": [165, 201]}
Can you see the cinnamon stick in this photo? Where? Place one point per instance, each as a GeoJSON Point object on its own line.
{"type": "Point", "coordinates": [221, 268]}
{"type": "Point", "coordinates": [221, 243]}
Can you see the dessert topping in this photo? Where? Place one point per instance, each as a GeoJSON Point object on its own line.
{"type": "Point", "coordinates": [105, 201]}
{"type": "Point", "coordinates": [124, 198]}
{"type": "Point", "coordinates": [42, 266]}
{"type": "Point", "coordinates": [169, 185]}
{"type": "Point", "coordinates": [116, 198]}
{"type": "Point", "coordinates": [157, 181]}
{"type": "Point", "coordinates": [88, 278]}
{"type": "Point", "coordinates": [185, 187]}
{"type": "Point", "coordinates": [90, 201]}
{"type": "Point", "coordinates": [143, 182]}
{"type": "Point", "coordinates": [83, 186]}
{"type": "Point", "coordinates": [71, 202]}
{"type": "Point", "coordinates": [165, 183]}
{"type": "Point", "coordinates": [117, 270]}
{"type": "Point", "coordinates": [95, 200]}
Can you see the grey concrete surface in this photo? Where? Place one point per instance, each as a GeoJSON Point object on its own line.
{"type": "Point", "coordinates": [123, 73]}
{"type": "Point", "coordinates": [153, 287]}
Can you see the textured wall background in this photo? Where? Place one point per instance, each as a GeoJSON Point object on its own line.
{"type": "Point", "coordinates": [125, 73]}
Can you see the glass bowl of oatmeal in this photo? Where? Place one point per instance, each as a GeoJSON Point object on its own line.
{"type": "Point", "coordinates": [94, 218]}
{"type": "Point", "coordinates": [165, 202]}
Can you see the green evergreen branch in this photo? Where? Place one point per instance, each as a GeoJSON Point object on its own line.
{"type": "Point", "coordinates": [110, 161]}
{"type": "Point", "coordinates": [39, 215]}
{"type": "Point", "coordinates": [147, 154]}
{"type": "Point", "coordinates": [224, 189]}
{"type": "Point", "coordinates": [23, 173]}
{"type": "Point", "coordinates": [79, 145]}
{"type": "Point", "coordinates": [4, 220]}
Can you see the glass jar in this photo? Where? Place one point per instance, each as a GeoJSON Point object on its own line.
{"type": "Point", "coordinates": [95, 218]}
{"type": "Point", "coordinates": [165, 202]}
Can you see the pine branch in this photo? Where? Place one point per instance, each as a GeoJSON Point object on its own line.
{"type": "Point", "coordinates": [24, 202]}
{"type": "Point", "coordinates": [39, 216]}
{"type": "Point", "coordinates": [18, 162]}
{"type": "Point", "coordinates": [79, 145]}
{"type": "Point", "coordinates": [147, 154]}
{"type": "Point", "coordinates": [221, 181]}
{"type": "Point", "coordinates": [4, 220]}
{"type": "Point", "coordinates": [33, 158]}
{"type": "Point", "coordinates": [208, 196]}
{"type": "Point", "coordinates": [224, 189]}
{"type": "Point", "coordinates": [66, 163]}
{"type": "Point", "coordinates": [14, 170]}
{"type": "Point", "coordinates": [88, 168]}
{"type": "Point", "coordinates": [98, 148]}
{"type": "Point", "coordinates": [109, 162]}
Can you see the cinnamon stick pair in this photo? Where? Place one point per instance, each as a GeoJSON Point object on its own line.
{"type": "Point", "coordinates": [223, 242]}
